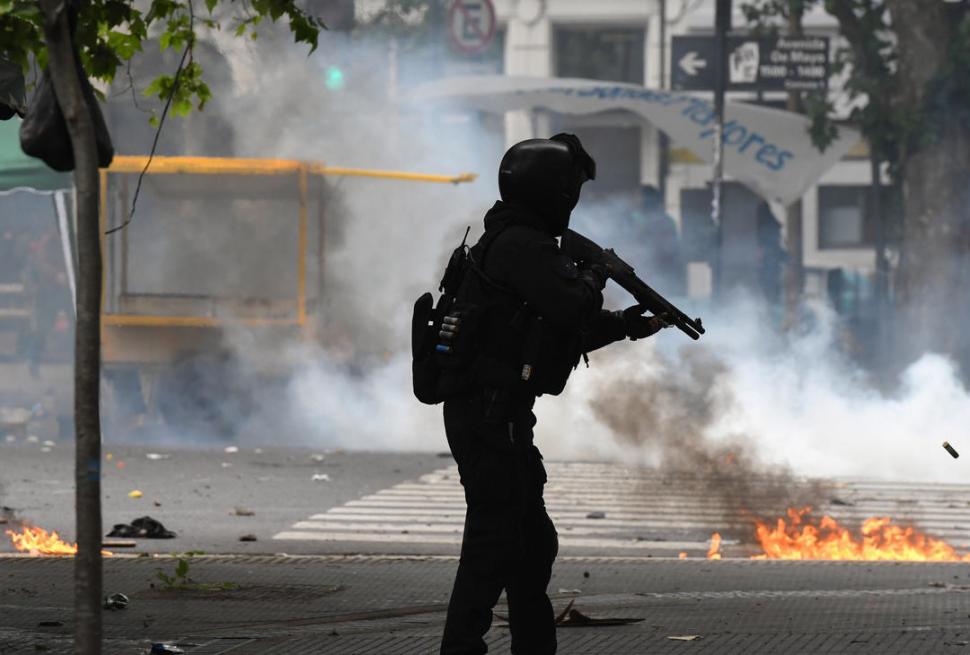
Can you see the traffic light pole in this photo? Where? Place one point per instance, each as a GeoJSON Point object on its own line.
{"type": "Point", "coordinates": [722, 24]}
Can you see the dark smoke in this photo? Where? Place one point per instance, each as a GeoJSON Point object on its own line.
{"type": "Point", "coordinates": [668, 416]}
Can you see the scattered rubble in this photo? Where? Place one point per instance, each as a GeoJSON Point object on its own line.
{"type": "Point", "coordinates": [165, 649]}
{"type": "Point", "coordinates": [320, 477]}
{"type": "Point", "coordinates": [248, 537]}
{"type": "Point", "coordinates": [596, 515]}
{"type": "Point", "coordinates": [116, 602]}
{"type": "Point", "coordinates": [685, 637]}
{"type": "Point", "coordinates": [573, 618]}
{"type": "Point", "coordinates": [145, 527]}
{"type": "Point", "coordinates": [239, 510]}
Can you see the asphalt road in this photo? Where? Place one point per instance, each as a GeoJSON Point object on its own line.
{"type": "Point", "coordinates": [196, 493]}
{"type": "Point", "coordinates": [306, 502]}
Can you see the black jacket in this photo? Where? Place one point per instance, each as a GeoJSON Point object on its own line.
{"type": "Point", "coordinates": [524, 276]}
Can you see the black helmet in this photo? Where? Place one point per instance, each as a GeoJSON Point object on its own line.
{"type": "Point", "coordinates": [545, 175]}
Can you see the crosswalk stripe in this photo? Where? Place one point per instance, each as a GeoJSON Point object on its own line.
{"type": "Point", "coordinates": [630, 502]}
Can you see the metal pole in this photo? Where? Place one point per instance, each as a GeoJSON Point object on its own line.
{"type": "Point", "coordinates": [795, 270]}
{"type": "Point", "coordinates": [722, 24]}
{"type": "Point", "coordinates": [664, 142]}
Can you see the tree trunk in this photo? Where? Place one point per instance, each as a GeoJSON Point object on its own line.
{"type": "Point", "coordinates": [933, 277]}
{"type": "Point", "coordinates": [87, 344]}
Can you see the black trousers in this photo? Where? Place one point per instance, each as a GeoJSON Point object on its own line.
{"type": "Point", "coordinates": [509, 541]}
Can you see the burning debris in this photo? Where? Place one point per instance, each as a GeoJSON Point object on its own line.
{"type": "Point", "coordinates": [38, 541]}
{"type": "Point", "coordinates": [714, 552]}
{"type": "Point", "coordinates": [803, 537]}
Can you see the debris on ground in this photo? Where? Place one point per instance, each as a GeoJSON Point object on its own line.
{"type": "Point", "coordinates": [685, 637]}
{"type": "Point", "coordinates": [573, 618]}
{"type": "Point", "coordinates": [239, 510]}
{"type": "Point", "coordinates": [596, 515]}
{"type": "Point", "coordinates": [232, 449]}
{"type": "Point", "coordinates": [570, 591]}
{"type": "Point", "coordinates": [50, 624]}
{"type": "Point", "coordinates": [320, 477]}
{"type": "Point", "coordinates": [116, 602]}
{"type": "Point", "coordinates": [165, 649]}
{"type": "Point", "coordinates": [318, 457]}
{"type": "Point", "coordinates": [118, 543]}
{"type": "Point", "coordinates": [135, 493]}
{"type": "Point", "coordinates": [585, 574]}
{"type": "Point", "coordinates": [155, 457]}
{"type": "Point", "coordinates": [248, 537]}
{"type": "Point", "coordinates": [841, 503]}
{"type": "Point", "coordinates": [145, 527]}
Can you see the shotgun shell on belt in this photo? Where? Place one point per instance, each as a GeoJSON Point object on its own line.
{"type": "Point", "coordinates": [949, 449]}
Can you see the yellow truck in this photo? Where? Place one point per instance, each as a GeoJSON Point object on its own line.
{"type": "Point", "coordinates": [215, 245]}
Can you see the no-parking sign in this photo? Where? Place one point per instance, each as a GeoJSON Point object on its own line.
{"type": "Point", "coordinates": [471, 25]}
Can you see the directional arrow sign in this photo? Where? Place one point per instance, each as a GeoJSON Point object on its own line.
{"type": "Point", "coordinates": [754, 63]}
{"type": "Point", "coordinates": [693, 63]}
{"type": "Point", "coordinates": [690, 62]}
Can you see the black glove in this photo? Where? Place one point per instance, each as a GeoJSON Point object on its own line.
{"type": "Point", "coordinates": [594, 275]}
{"type": "Point", "coordinates": [637, 326]}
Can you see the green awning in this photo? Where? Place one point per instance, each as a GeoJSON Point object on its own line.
{"type": "Point", "coordinates": [18, 170]}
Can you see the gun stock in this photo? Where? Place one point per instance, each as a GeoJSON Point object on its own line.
{"type": "Point", "coordinates": [586, 251]}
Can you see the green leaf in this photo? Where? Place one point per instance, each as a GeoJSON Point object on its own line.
{"type": "Point", "coordinates": [211, 4]}
{"type": "Point", "coordinates": [182, 568]}
{"type": "Point", "coordinates": [125, 45]}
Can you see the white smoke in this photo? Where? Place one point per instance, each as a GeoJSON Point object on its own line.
{"type": "Point", "coordinates": [793, 399]}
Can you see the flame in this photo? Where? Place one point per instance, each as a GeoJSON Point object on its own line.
{"type": "Point", "coordinates": [880, 539]}
{"type": "Point", "coordinates": [713, 551]}
{"type": "Point", "coordinates": [38, 541]}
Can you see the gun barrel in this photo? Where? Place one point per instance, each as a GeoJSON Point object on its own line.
{"type": "Point", "coordinates": [586, 250]}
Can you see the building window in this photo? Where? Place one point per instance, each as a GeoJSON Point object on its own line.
{"type": "Point", "coordinates": [612, 54]}
{"type": "Point", "coordinates": [843, 220]}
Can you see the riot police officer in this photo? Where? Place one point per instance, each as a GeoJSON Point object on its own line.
{"type": "Point", "coordinates": [534, 315]}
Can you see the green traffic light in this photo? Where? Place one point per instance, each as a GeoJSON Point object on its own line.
{"type": "Point", "coordinates": [334, 79]}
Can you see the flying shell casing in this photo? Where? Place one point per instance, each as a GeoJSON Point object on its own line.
{"type": "Point", "coordinates": [950, 449]}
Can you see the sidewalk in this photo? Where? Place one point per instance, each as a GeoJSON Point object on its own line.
{"type": "Point", "coordinates": [395, 606]}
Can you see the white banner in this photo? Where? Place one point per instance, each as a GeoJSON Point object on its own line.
{"type": "Point", "coordinates": [768, 150]}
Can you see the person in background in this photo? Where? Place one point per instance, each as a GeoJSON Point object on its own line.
{"type": "Point", "coordinates": [654, 235]}
{"type": "Point", "coordinates": [771, 254]}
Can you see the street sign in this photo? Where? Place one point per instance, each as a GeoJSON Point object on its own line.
{"type": "Point", "coordinates": [471, 25]}
{"type": "Point", "coordinates": [754, 63]}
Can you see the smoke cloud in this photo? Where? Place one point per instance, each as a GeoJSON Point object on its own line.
{"type": "Point", "coordinates": [747, 400]}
